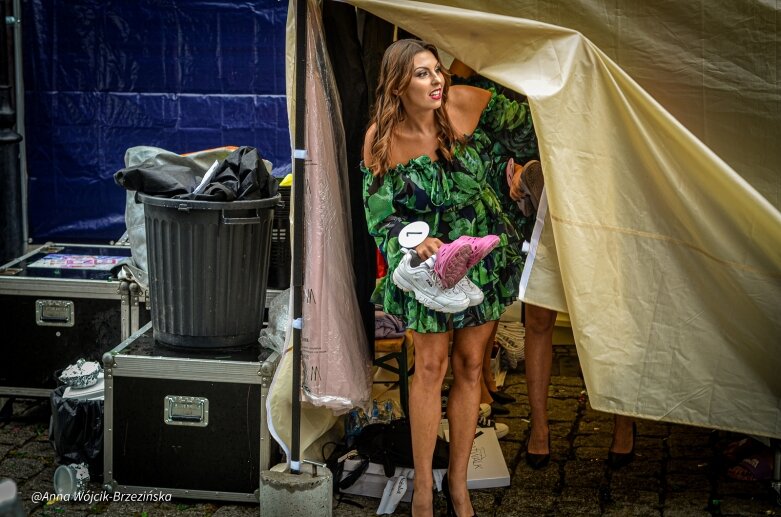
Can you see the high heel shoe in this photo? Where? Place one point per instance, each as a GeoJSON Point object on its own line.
{"type": "Point", "coordinates": [451, 510]}
{"type": "Point", "coordinates": [499, 409]}
{"type": "Point", "coordinates": [616, 460]}
{"type": "Point", "coordinates": [538, 461]}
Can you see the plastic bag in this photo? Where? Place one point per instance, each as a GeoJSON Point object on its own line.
{"type": "Point", "coordinates": [273, 336]}
{"type": "Point", "coordinates": [382, 412]}
{"type": "Point", "coordinates": [134, 212]}
{"type": "Point", "coordinates": [76, 430]}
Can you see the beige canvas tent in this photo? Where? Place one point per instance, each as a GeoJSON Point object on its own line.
{"type": "Point", "coordinates": [658, 126]}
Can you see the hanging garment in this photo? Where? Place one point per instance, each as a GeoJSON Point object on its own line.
{"type": "Point", "coordinates": [335, 355]}
{"type": "Point", "coordinates": [336, 365]}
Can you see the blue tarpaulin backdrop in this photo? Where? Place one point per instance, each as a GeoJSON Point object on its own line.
{"type": "Point", "coordinates": [102, 76]}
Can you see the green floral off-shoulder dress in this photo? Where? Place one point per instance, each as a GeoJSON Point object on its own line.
{"type": "Point", "coordinates": [520, 143]}
{"type": "Point", "coordinates": [455, 198]}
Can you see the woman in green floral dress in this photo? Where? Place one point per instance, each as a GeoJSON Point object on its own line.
{"type": "Point", "coordinates": [432, 154]}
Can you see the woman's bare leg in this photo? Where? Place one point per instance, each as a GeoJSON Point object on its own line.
{"type": "Point", "coordinates": [466, 361]}
{"type": "Point", "coordinates": [622, 435]}
{"type": "Point", "coordinates": [424, 414]}
{"type": "Point", "coordinates": [539, 359]}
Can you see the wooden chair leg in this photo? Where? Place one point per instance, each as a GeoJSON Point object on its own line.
{"type": "Point", "coordinates": [404, 379]}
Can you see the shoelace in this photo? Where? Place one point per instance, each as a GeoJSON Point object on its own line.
{"type": "Point", "coordinates": [438, 281]}
{"type": "Point", "coordinates": [429, 262]}
{"type": "Point", "coordinates": [484, 421]}
{"type": "Point", "coordinates": [464, 283]}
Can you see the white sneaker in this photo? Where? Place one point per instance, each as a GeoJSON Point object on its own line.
{"type": "Point", "coordinates": [413, 274]}
{"type": "Point", "coordinates": [474, 293]}
{"type": "Point", "coordinates": [469, 288]}
{"type": "Point", "coordinates": [485, 410]}
{"type": "Point", "coordinates": [486, 423]}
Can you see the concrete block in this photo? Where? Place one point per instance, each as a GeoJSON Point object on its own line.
{"type": "Point", "coordinates": [296, 495]}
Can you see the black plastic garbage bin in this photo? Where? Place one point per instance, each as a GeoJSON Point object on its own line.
{"type": "Point", "coordinates": [208, 268]}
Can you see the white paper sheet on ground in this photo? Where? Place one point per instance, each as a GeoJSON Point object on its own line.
{"type": "Point", "coordinates": [372, 482]}
{"type": "Point", "coordinates": [395, 489]}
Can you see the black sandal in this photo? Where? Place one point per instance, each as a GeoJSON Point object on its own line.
{"type": "Point", "coordinates": [616, 460]}
{"type": "Point", "coordinates": [537, 461]}
{"type": "Point", "coordinates": [498, 409]}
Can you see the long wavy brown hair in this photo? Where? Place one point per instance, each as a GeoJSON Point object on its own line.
{"type": "Point", "coordinates": [395, 75]}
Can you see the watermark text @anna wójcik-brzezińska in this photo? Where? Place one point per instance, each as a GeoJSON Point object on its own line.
{"type": "Point", "coordinates": [91, 497]}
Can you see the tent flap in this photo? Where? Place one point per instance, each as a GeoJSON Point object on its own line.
{"type": "Point", "coordinates": [667, 259]}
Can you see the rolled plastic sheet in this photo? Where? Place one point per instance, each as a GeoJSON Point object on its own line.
{"type": "Point", "coordinates": [336, 367]}
{"type": "Point", "coordinates": [336, 362]}
{"type": "Point", "coordinates": [667, 260]}
{"type": "Point", "coordinates": [273, 336]}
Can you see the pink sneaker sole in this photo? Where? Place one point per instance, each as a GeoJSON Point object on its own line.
{"type": "Point", "coordinates": [480, 247]}
{"type": "Point", "coordinates": [452, 262]}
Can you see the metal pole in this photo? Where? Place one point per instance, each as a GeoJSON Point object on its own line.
{"type": "Point", "coordinates": [12, 244]}
{"type": "Point", "coordinates": [19, 91]}
{"type": "Point", "coordinates": [299, 157]}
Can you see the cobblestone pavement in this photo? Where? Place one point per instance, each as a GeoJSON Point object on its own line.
{"type": "Point", "coordinates": [678, 470]}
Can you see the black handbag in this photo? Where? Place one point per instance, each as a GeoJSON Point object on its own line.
{"type": "Point", "coordinates": [391, 446]}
